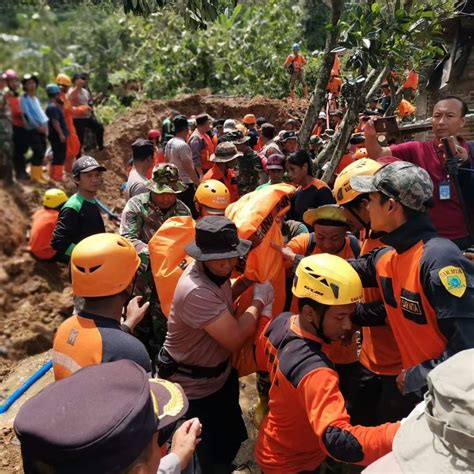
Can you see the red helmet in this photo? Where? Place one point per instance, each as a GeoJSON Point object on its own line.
{"type": "Point", "coordinates": [153, 133]}
{"type": "Point", "coordinates": [10, 74]}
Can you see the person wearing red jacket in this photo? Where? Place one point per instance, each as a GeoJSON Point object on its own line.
{"type": "Point", "coordinates": [307, 419]}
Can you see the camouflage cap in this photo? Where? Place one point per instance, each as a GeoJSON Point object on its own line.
{"type": "Point", "coordinates": [165, 180]}
{"type": "Point", "coordinates": [405, 182]}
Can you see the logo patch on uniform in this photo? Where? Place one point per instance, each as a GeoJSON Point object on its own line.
{"type": "Point", "coordinates": [71, 340]}
{"type": "Point", "coordinates": [410, 305]}
{"type": "Point", "coordinates": [453, 279]}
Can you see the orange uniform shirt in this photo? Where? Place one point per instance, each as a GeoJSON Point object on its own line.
{"type": "Point", "coordinates": [15, 110]}
{"type": "Point", "coordinates": [346, 160]}
{"type": "Point", "coordinates": [42, 228]}
{"type": "Point", "coordinates": [229, 179]}
{"type": "Point", "coordinates": [412, 80]}
{"type": "Point", "coordinates": [298, 61]}
{"type": "Point", "coordinates": [334, 85]}
{"type": "Point", "coordinates": [337, 352]}
{"type": "Point", "coordinates": [379, 353]}
{"type": "Point", "coordinates": [307, 420]}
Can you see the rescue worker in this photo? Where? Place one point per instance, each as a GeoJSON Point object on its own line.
{"type": "Point", "coordinates": [448, 119]}
{"type": "Point", "coordinates": [36, 126]}
{"type": "Point", "coordinates": [249, 166]}
{"type": "Point", "coordinates": [224, 160]}
{"type": "Point", "coordinates": [141, 218]}
{"type": "Point", "coordinates": [321, 123]}
{"type": "Point", "coordinates": [410, 85]}
{"type": "Point", "coordinates": [73, 145]}
{"type": "Point", "coordinates": [83, 112]}
{"type": "Point", "coordinates": [425, 280]}
{"type": "Point", "coordinates": [311, 192]}
{"type": "Point", "coordinates": [377, 399]}
{"type": "Point", "coordinates": [294, 65]}
{"type": "Point", "coordinates": [269, 145]}
{"type": "Point", "coordinates": [136, 415]}
{"type": "Point", "coordinates": [19, 131]}
{"type": "Point", "coordinates": [142, 159]}
{"type": "Point", "coordinates": [201, 144]}
{"type": "Point", "coordinates": [80, 216]}
{"type": "Point", "coordinates": [275, 169]}
{"type": "Point", "coordinates": [103, 269]}
{"type": "Point", "coordinates": [154, 136]}
{"type": "Point", "coordinates": [212, 198]}
{"type": "Point", "coordinates": [202, 335]}
{"type": "Point", "coordinates": [307, 420]}
{"type": "Point", "coordinates": [57, 132]}
{"type": "Point", "coordinates": [43, 223]}
{"type": "Point", "coordinates": [288, 142]}
{"type": "Point", "coordinates": [250, 123]}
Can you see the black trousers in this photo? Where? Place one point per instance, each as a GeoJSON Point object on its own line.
{"type": "Point", "coordinates": [223, 429]}
{"type": "Point", "coordinates": [377, 399]}
{"type": "Point", "coordinates": [91, 123]}
{"type": "Point", "coordinates": [37, 142]}
{"type": "Point", "coordinates": [59, 150]}
{"type": "Point", "coordinates": [20, 147]}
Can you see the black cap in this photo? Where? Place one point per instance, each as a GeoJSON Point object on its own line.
{"type": "Point", "coordinates": [288, 135]}
{"type": "Point", "coordinates": [201, 119]}
{"type": "Point", "coordinates": [142, 149]}
{"type": "Point", "coordinates": [180, 123]}
{"type": "Point", "coordinates": [98, 420]}
{"type": "Point", "coordinates": [216, 238]}
{"type": "Point", "coordinates": [219, 123]}
{"type": "Point", "coordinates": [261, 121]}
{"type": "Point", "coordinates": [84, 164]}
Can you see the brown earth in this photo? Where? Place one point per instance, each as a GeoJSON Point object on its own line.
{"type": "Point", "coordinates": [35, 296]}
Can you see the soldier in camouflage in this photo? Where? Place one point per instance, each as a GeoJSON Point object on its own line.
{"type": "Point", "coordinates": [6, 140]}
{"type": "Point", "coordinates": [142, 216]}
{"type": "Point", "coordinates": [248, 166]}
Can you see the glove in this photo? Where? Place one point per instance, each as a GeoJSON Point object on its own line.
{"type": "Point", "coordinates": [264, 293]}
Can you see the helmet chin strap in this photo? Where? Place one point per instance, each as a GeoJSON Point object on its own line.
{"type": "Point", "coordinates": [358, 218]}
{"type": "Point", "coordinates": [320, 330]}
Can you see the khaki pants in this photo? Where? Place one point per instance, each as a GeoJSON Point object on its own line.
{"type": "Point", "coordinates": [297, 76]}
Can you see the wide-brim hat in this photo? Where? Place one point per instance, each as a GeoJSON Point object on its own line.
{"type": "Point", "coordinates": [225, 152]}
{"type": "Point", "coordinates": [217, 238]}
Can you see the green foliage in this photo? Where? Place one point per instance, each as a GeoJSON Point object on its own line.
{"type": "Point", "coordinates": [158, 56]}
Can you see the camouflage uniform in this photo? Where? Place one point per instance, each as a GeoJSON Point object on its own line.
{"type": "Point", "coordinates": [141, 218]}
{"type": "Point", "coordinates": [6, 140]}
{"type": "Point", "coordinates": [248, 168]}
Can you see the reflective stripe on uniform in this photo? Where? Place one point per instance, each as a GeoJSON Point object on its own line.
{"type": "Point", "coordinates": [66, 361]}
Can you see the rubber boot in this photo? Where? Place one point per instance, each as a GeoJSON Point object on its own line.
{"type": "Point", "coordinates": [37, 175]}
{"type": "Point", "coordinates": [305, 92]}
{"type": "Point", "coordinates": [261, 410]}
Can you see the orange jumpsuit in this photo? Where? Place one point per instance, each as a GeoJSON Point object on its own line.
{"type": "Point", "coordinates": [73, 143]}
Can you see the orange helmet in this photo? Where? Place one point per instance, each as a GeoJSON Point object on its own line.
{"type": "Point", "coordinates": [63, 80]}
{"type": "Point", "coordinates": [103, 265]}
{"type": "Point", "coordinates": [361, 153]}
{"type": "Point", "coordinates": [250, 119]}
{"type": "Point", "coordinates": [213, 195]}
{"type": "Point", "coordinates": [343, 191]}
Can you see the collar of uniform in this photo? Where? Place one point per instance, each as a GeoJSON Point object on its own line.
{"type": "Point", "coordinates": [407, 235]}
{"type": "Point", "coordinates": [295, 328]}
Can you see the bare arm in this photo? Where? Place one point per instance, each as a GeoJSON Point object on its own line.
{"type": "Point", "coordinates": [231, 333]}
{"type": "Point", "coordinates": [372, 144]}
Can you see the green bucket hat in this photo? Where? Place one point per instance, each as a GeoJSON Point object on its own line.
{"type": "Point", "coordinates": [165, 180]}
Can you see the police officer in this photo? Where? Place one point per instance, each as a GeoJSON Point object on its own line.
{"type": "Point", "coordinates": [426, 282]}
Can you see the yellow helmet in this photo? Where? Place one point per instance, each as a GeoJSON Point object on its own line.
{"type": "Point", "coordinates": [63, 80]}
{"type": "Point", "coordinates": [213, 195]}
{"type": "Point", "coordinates": [54, 198]}
{"type": "Point", "coordinates": [343, 191]}
{"type": "Point", "coordinates": [103, 265]}
{"type": "Point", "coordinates": [327, 279]}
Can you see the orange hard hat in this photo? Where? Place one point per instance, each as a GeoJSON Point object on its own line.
{"type": "Point", "coordinates": [361, 153]}
{"type": "Point", "coordinates": [342, 190]}
{"type": "Point", "coordinates": [103, 265]}
{"type": "Point", "coordinates": [250, 119]}
{"type": "Point", "coordinates": [213, 195]}
{"type": "Point", "coordinates": [63, 80]}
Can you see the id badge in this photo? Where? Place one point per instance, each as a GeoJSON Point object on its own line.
{"type": "Point", "coordinates": [444, 190]}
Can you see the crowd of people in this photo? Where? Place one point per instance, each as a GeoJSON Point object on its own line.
{"type": "Point", "coordinates": [352, 301]}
